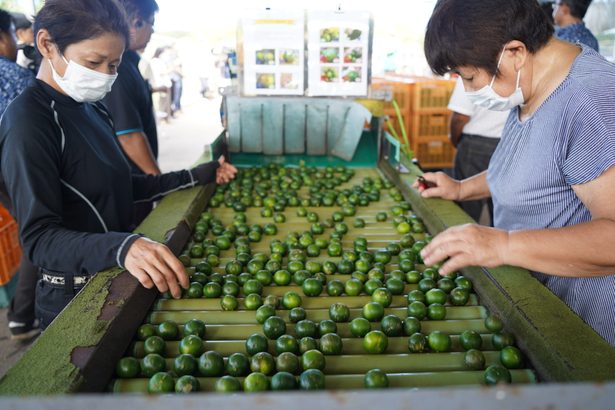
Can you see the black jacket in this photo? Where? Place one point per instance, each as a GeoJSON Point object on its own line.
{"type": "Point", "coordinates": [70, 184]}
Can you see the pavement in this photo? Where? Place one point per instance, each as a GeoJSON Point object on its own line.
{"type": "Point", "coordinates": [181, 142]}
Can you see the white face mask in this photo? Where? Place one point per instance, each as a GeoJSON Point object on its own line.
{"type": "Point", "coordinates": [83, 84]}
{"type": "Point", "coordinates": [486, 97]}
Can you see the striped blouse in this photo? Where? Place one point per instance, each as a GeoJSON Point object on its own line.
{"type": "Point", "coordinates": [569, 140]}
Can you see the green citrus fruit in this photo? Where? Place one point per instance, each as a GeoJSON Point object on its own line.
{"type": "Point", "coordinates": [262, 362]}
{"type": "Point", "coordinates": [291, 300]}
{"type": "Point", "coordinates": [373, 311]}
{"type": "Point", "coordinates": [306, 344]}
{"type": "Point", "coordinates": [283, 381]}
{"type": "Point", "coordinates": [227, 384]}
{"type": "Point", "coordinates": [439, 342]}
{"type": "Point", "coordinates": [375, 342]}
{"type": "Point", "coordinates": [382, 296]}
{"type": "Point", "coordinates": [229, 303]}
{"type": "Point", "coordinates": [313, 359]}
{"type": "Point", "coordinates": [195, 327]}
{"type": "Point", "coordinates": [496, 374]}
{"type": "Point", "coordinates": [494, 324]}
{"type": "Point", "coordinates": [288, 362]}
{"type": "Point", "coordinates": [256, 343]}
{"type": "Point", "coordinates": [168, 330]}
{"type": "Point", "coordinates": [411, 325]}
{"type": "Point", "coordinates": [256, 382]}
{"type": "Point", "coordinates": [286, 343]}
{"type": "Point", "coordinates": [154, 344]}
{"type": "Point", "coordinates": [511, 357]}
{"type": "Point", "coordinates": [161, 382]}
{"type": "Point", "coordinates": [339, 312]}
{"type": "Point", "coordinates": [127, 368]}
{"type": "Point", "coordinates": [264, 312]}
{"type": "Point", "coordinates": [297, 314]}
{"type": "Point", "coordinates": [359, 327]}
{"type": "Point", "coordinates": [187, 384]}
{"type": "Point", "coordinates": [474, 359]}
{"type": "Point", "coordinates": [238, 365]}
{"type": "Point", "coordinates": [331, 344]}
{"type": "Point", "coordinates": [376, 379]}
{"type": "Point", "coordinates": [436, 311]}
{"type": "Point", "coordinates": [185, 364]}
{"type": "Point", "coordinates": [326, 326]}
{"type": "Point", "coordinates": [305, 328]}
{"type": "Point", "coordinates": [470, 339]}
{"type": "Point", "coordinates": [392, 326]}
{"type": "Point", "coordinates": [274, 327]}
{"type": "Point", "coordinates": [211, 364]}
{"type": "Point", "coordinates": [417, 343]}
{"type": "Point", "coordinates": [192, 345]}
{"type": "Point", "coordinates": [501, 340]}
{"type": "Point", "coordinates": [152, 364]}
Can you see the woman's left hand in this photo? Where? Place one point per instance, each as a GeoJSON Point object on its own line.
{"type": "Point", "coordinates": [467, 245]}
{"type": "Point", "coordinates": [226, 172]}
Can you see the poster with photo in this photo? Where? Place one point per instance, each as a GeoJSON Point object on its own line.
{"type": "Point", "coordinates": [338, 53]}
{"type": "Point", "coordinates": [272, 44]}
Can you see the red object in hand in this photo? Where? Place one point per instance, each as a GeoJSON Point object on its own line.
{"type": "Point", "coordinates": [424, 184]}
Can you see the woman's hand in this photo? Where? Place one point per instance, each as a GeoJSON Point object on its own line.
{"type": "Point", "coordinates": [226, 172]}
{"type": "Point", "coordinates": [153, 264]}
{"type": "Point", "coordinates": [439, 185]}
{"type": "Point", "coordinates": [467, 245]}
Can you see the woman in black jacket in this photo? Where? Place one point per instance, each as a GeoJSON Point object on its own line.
{"type": "Point", "coordinates": [69, 181]}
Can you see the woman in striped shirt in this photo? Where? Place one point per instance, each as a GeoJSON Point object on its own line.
{"type": "Point", "coordinates": [551, 178]}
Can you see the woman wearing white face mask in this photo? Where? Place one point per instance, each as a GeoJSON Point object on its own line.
{"type": "Point", "coordinates": [70, 184]}
{"type": "Point", "coordinates": [552, 177]}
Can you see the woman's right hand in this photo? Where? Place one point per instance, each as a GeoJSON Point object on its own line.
{"type": "Point", "coordinates": [440, 185]}
{"type": "Point", "coordinates": [153, 264]}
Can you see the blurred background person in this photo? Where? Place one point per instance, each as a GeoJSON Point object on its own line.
{"type": "Point", "coordinates": [161, 83]}
{"type": "Point", "coordinates": [568, 17]}
{"type": "Point", "coordinates": [13, 80]}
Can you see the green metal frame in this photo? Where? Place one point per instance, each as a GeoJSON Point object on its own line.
{"type": "Point", "coordinates": [559, 344]}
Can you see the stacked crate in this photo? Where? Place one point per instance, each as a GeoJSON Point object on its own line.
{"type": "Point", "coordinates": [10, 255]}
{"type": "Point", "coordinates": [423, 106]}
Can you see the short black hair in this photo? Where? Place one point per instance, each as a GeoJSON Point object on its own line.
{"type": "Point", "coordinates": [474, 32]}
{"type": "Point", "coordinates": [578, 8]}
{"type": "Point", "coordinates": [142, 9]}
{"type": "Point", "coordinates": [5, 21]}
{"type": "Point", "coordinates": [72, 21]}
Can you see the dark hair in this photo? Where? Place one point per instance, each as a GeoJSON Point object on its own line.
{"type": "Point", "coordinates": [547, 8]}
{"type": "Point", "coordinates": [21, 21]}
{"type": "Point", "coordinates": [72, 21]}
{"type": "Point", "coordinates": [5, 21]}
{"type": "Point", "coordinates": [578, 8]}
{"type": "Point", "coordinates": [474, 32]}
{"type": "Point", "coordinates": [142, 9]}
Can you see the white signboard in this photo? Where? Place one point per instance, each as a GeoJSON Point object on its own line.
{"type": "Point", "coordinates": [273, 52]}
{"type": "Point", "coordinates": [338, 53]}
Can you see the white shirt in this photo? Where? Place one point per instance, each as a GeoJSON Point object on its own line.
{"type": "Point", "coordinates": [482, 122]}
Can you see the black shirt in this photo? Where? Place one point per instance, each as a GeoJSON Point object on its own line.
{"type": "Point", "coordinates": [130, 103]}
{"type": "Point", "coordinates": [71, 186]}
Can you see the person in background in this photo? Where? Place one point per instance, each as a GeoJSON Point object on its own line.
{"type": "Point", "coordinates": [568, 17]}
{"type": "Point", "coordinates": [27, 55]}
{"type": "Point", "coordinates": [475, 132]}
{"type": "Point", "coordinates": [130, 100]}
{"type": "Point", "coordinates": [547, 7]}
{"type": "Point", "coordinates": [13, 80]}
{"type": "Point", "coordinates": [71, 185]}
{"type": "Point", "coordinates": [161, 83]}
